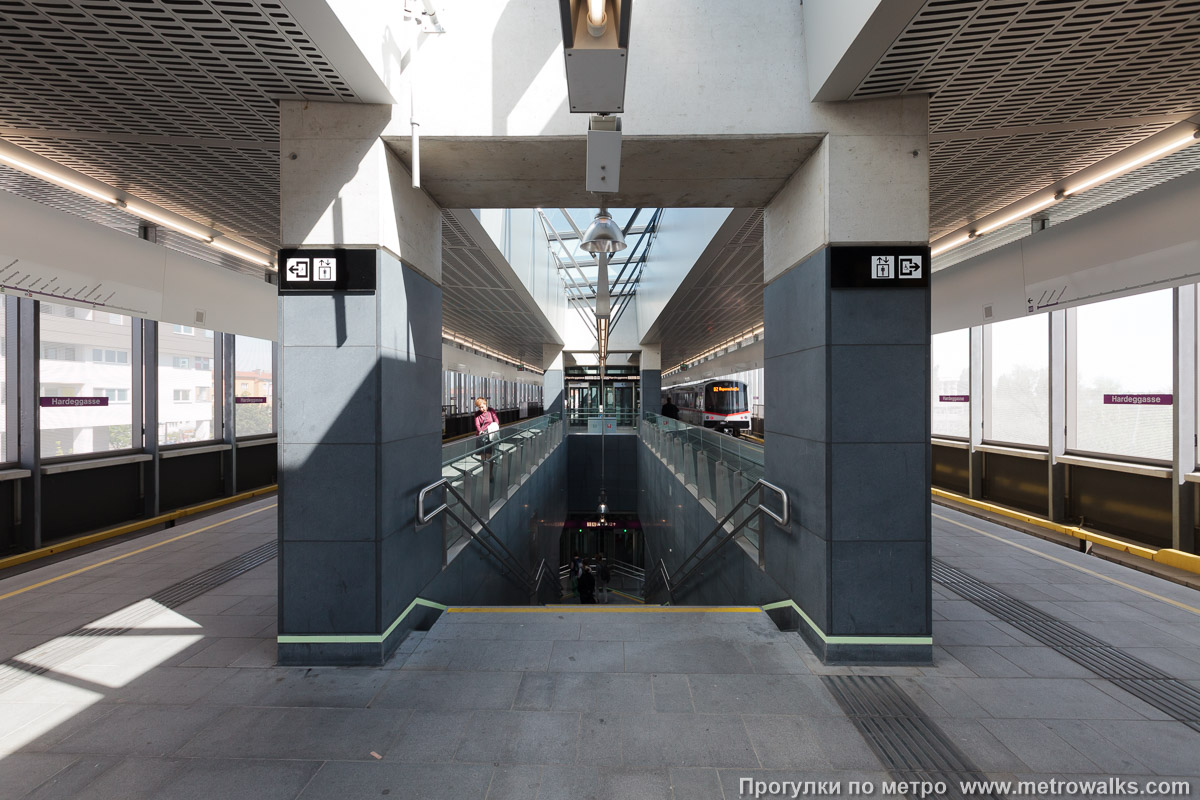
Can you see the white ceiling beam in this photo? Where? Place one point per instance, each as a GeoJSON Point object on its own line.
{"type": "Point", "coordinates": [844, 39]}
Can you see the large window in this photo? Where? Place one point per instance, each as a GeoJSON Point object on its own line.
{"type": "Point", "coordinates": [86, 380]}
{"type": "Point", "coordinates": [1016, 407]}
{"type": "Point", "coordinates": [185, 385]}
{"type": "Point", "coordinates": [1121, 363]}
{"type": "Point", "coordinates": [253, 387]}
{"type": "Point", "coordinates": [950, 354]}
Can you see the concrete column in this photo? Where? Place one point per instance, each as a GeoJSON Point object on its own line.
{"type": "Point", "coordinates": [359, 424]}
{"type": "Point", "coordinates": [1183, 414]}
{"type": "Point", "coordinates": [848, 375]}
{"type": "Point", "coordinates": [552, 381]}
{"type": "Point", "coordinates": [651, 369]}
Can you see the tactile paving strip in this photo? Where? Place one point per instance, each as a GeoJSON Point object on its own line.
{"type": "Point", "coordinates": [46, 657]}
{"type": "Point", "coordinates": [1173, 697]}
{"type": "Point", "coordinates": [911, 746]}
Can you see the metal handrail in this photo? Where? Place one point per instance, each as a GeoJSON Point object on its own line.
{"type": "Point", "coordinates": [682, 574]}
{"type": "Point", "coordinates": [507, 559]}
{"type": "Point", "coordinates": [541, 572]}
{"type": "Point", "coordinates": [655, 575]}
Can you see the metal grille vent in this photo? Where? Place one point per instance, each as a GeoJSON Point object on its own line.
{"type": "Point", "coordinates": [45, 658]}
{"type": "Point", "coordinates": [911, 746]}
{"type": "Point", "coordinates": [1173, 697]}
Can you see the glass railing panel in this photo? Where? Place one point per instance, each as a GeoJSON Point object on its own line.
{"type": "Point", "coordinates": [474, 449]}
{"type": "Point", "coordinates": [739, 454]}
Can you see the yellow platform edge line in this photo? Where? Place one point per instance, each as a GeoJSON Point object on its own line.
{"type": "Point", "coordinates": [107, 561]}
{"type": "Point", "coordinates": [1173, 558]}
{"type": "Point", "coordinates": [590, 609]}
{"type": "Point", "coordinates": [121, 530]}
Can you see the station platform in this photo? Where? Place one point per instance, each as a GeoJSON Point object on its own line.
{"type": "Point", "coordinates": [146, 669]}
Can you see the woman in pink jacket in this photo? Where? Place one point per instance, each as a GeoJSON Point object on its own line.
{"type": "Point", "coordinates": [487, 426]}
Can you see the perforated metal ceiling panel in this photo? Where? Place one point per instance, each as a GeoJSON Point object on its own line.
{"type": "Point", "coordinates": [722, 297]}
{"type": "Point", "coordinates": [173, 101]}
{"type": "Point", "coordinates": [1161, 171]}
{"type": "Point", "coordinates": [479, 305]}
{"type": "Point", "coordinates": [1025, 92]}
{"type": "Point", "coordinates": [60, 199]}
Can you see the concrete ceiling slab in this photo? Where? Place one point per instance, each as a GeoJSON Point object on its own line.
{"type": "Point", "coordinates": [718, 172]}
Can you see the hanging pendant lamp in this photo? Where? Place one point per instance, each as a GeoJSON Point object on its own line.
{"type": "Point", "coordinates": [603, 235]}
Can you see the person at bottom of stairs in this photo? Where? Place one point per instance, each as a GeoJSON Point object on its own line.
{"type": "Point", "coordinates": [587, 586]}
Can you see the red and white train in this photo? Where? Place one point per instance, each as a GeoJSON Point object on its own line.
{"type": "Point", "coordinates": [722, 405]}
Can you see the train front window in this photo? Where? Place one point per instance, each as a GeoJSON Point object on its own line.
{"type": "Point", "coordinates": [727, 398]}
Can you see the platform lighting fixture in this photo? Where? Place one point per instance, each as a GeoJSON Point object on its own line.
{"type": "Point", "coordinates": [1016, 215]}
{"type": "Point", "coordinates": [949, 245]}
{"type": "Point", "coordinates": [196, 233]}
{"type": "Point", "coordinates": [32, 164]}
{"type": "Point", "coordinates": [453, 337]}
{"type": "Point", "coordinates": [595, 49]}
{"type": "Point", "coordinates": [603, 235]}
{"type": "Point", "coordinates": [1176, 144]}
{"type": "Point", "coordinates": [66, 183]}
{"type": "Point", "coordinates": [597, 19]}
{"type": "Point", "coordinates": [1169, 147]}
{"type": "Point", "coordinates": [241, 252]}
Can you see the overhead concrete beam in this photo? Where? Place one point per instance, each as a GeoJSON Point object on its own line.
{"type": "Point", "coordinates": [844, 40]}
{"type": "Point", "coordinates": [656, 172]}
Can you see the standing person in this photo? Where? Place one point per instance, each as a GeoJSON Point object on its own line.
{"type": "Point", "coordinates": [587, 586]}
{"type": "Point", "coordinates": [605, 576]}
{"type": "Point", "coordinates": [487, 429]}
{"type": "Point", "coordinates": [670, 410]}
{"type": "Point", "coordinates": [576, 572]}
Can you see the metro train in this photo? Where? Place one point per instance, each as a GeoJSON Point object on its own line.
{"type": "Point", "coordinates": [722, 405]}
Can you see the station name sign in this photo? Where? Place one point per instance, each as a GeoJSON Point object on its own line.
{"type": "Point", "coordinates": [1138, 399]}
{"type": "Point", "coordinates": [879, 267]}
{"type": "Point", "coordinates": [323, 271]}
{"type": "Point", "coordinates": [71, 402]}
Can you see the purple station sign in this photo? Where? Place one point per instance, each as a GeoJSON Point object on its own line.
{"type": "Point", "coordinates": [954, 398]}
{"type": "Point", "coordinates": [240, 400]}
{"type": "Point", "coordinates": [1138, 399]}
{"type": "Point", "coordinates": [65, 402]}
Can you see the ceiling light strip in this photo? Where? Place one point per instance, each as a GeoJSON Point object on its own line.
{"type": "Point", "coordinates": [487, 351]}
{"type": "Point", "coordinates": [759, 331]}
{"type": "Point", "coordinates": [158, 217]}
{"type": "Point", "coordinates": [244, 253]}
{"type": "Point", "coordinates": [963, 235]}
{"type": "Point", "coordinates": [1170, 147]}
{"type": "Point", "coordinates": [38, 167]}
{"type": "Point", "coordinates": [65, 177]}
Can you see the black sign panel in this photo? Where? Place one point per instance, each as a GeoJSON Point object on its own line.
{"type": "Point", "coordinates": [889, 267]}
{"type": "Point", "coordinates": [304, 271]}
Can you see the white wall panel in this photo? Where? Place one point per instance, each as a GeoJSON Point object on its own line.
{"type": "Point", "coordinates": [1147, 241]}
